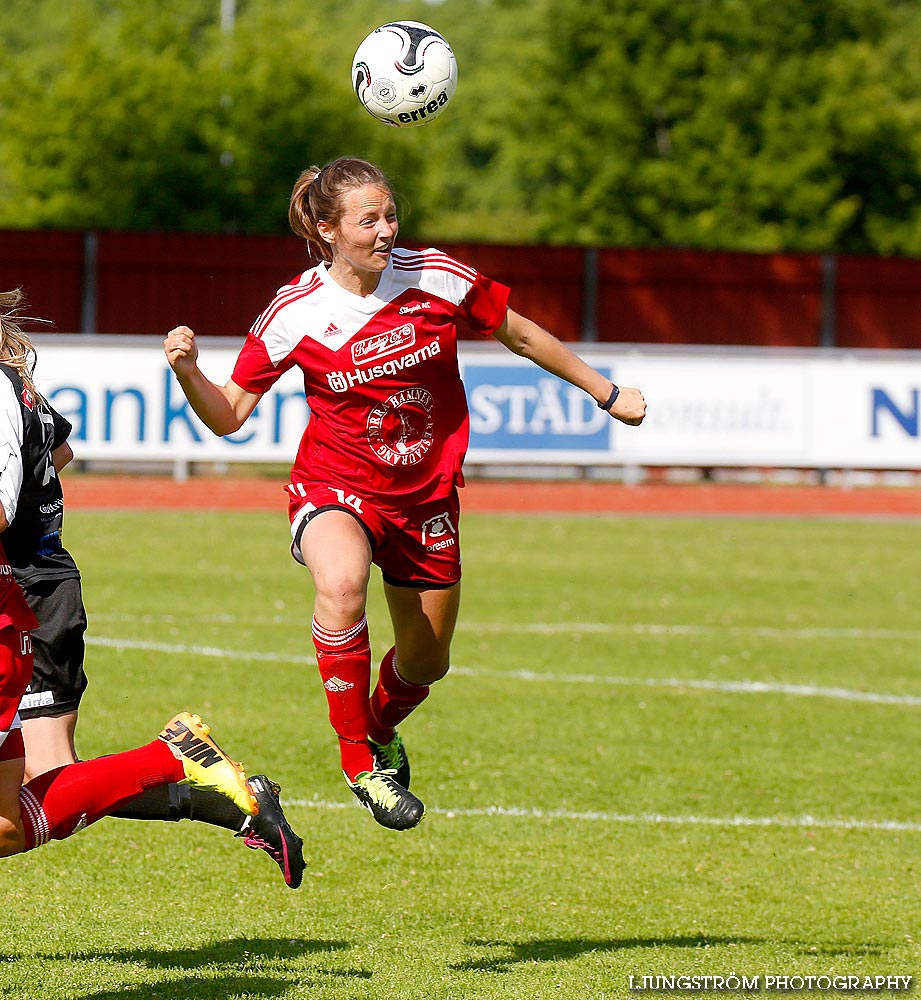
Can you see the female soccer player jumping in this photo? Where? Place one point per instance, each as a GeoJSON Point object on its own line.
{"type": "Point", "coordinates": [373, 328]}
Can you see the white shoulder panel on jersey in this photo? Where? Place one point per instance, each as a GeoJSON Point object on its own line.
{"type": "Point", "coordinates": [11, 432]}
{"type": "Point", "coordinates": [281, 325]}
{"type": "Point", "coordinates": [433, 272]}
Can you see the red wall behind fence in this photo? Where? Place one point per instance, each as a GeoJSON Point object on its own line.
{"type": "Point", "coordinates": [879, 303]}
{"type": "Point", "coordinates": [217, 285]}
{"type": "Point", "coordinates": [48, 266]}
{"type": "Point", "coordinates": [695, 297]}
{"type": "Point", "coordinates": [146, 283]}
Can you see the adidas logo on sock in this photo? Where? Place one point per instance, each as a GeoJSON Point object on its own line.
{"type": "Point", "coordinates": [337, 684]}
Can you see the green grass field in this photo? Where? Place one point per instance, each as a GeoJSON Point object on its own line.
{"type": "Point", "coordinates": [668, 747]}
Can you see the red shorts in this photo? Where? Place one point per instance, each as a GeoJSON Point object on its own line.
{"type": "Point", "coordinates": [415, 546]}
{"type": "Point", "coordinates": [15, 674]}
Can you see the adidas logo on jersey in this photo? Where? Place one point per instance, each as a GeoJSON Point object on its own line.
{"type": "Point", "coordinates": [332, 331]}
{"type": "Point", "coordinates": [337, 684]}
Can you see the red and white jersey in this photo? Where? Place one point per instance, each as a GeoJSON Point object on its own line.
{"type": "Point", "coordinates": [388, 410]}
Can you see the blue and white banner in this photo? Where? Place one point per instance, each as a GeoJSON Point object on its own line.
{"type": "Point", "coordinates": [707, 407]}
{"type": "Point", "coordinates": [516, 407]}
{"type": "Point", "coordinates": [125, 403]}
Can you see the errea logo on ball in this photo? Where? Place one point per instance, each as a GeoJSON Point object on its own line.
{"type": "Point", "coordinates": [430, 110]}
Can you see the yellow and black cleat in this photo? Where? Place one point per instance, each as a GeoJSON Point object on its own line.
{"type": "Point", "coordinates": [206, 765]}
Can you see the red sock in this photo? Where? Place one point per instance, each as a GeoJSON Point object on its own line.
{"type": "Point", "coordinates": [393, 699]}
{"type": "Point", "coordinates": [65, 800]}
{"type": "Point", "coordinates": [344, 659]}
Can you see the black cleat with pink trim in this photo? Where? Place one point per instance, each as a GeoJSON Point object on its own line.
{"type": "Point", "coordinates": [270, 831]}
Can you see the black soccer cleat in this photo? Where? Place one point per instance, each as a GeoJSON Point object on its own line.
{"type": "Point", "coordinates": [392, 757]}
{"type": "Point", "coordinates": [270, 831]}
{"type": "Point", "coordinates": [388, 801]}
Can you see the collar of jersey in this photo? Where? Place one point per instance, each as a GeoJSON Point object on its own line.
{"type": "Point", "coordinates": [365, 303]}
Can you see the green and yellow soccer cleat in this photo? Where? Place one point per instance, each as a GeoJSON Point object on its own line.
{"type": "Point", "coordinates": [392, 757]}
{"type": "Point", "coordinates": [388, 801]}
{"type": "Point", "coordinates": [206, 765]}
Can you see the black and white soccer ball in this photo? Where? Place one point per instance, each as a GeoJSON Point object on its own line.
{"type": "Point", "coordinates": [404, 73]}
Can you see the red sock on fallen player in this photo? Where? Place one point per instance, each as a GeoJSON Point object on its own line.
{"type": "Point", "coordinates": [393, 699]}
{"type": "Point", "coordinates": [344, 660]}
{"type": "Point", "coordinates": [66, 799]}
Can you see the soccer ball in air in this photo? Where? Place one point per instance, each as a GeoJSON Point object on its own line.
{"type": "Point", "coordinates": [404, 73]}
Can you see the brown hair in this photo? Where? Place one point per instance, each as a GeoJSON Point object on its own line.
{"type": "Point", "coordinates": [16, 349]}
{"type": "Point", "coordinates": [317, 197]}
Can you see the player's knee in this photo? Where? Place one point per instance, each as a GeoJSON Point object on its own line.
{"type": "Point", "coordinates": [12, 837]}
{"type": "Point", "coordinates": [423, 670]}
{"type": "Point", "coordinates": [436, 674]}
{"type": "Point", "coordinates": [343, 595]}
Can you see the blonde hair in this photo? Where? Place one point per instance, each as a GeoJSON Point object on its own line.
{"type": "Point", "coordinates": [317, 197]}
{"type": "Point", "coordinates": [16, 349]}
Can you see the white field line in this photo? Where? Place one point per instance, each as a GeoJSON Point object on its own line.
{"type": "Point", "coordinates": [562, 628]}
{"type": "Point", "coordinates": [724, 687]}
{"type": "Point", "coordinates": [572, 816]}
{"type": "Point", "coordinates": [654, 819]}
{"type": "Point", "coordinates": [530, 676]}
{"type": "Point", "coordinates": [183, 649]}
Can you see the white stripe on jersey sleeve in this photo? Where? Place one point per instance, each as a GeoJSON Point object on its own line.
{"type": "Point", "coordinates": [435, 273]}
{"type": "Point", "coordinates": [284, 296]}
{"type": "Point", "coordinates": [281, 326]}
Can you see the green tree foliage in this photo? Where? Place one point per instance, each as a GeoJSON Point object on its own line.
{"type": "Point", "coordinates": [143, 114]}
{"type": "Point", "coordinates": [736, 124]}
{"type": "Point", "coordinates": [103, 122]}
{"type": "Point", "coordinates": [745, 124]}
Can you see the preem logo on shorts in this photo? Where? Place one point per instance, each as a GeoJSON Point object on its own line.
{"type": "Point", "coordinates": [400, 430]}
{"type": "Point", "coordinates": [438, 533]}
{"type": "Point", "coordinates": [341, 381]}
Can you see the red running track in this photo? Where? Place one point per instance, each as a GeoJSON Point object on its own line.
{"type": "Point", "coordinates": [707, 499]}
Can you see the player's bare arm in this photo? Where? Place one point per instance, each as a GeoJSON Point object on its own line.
{"type": "Point", "coordinates": [62, 456]}
{"type": "Point", "coordinates": [528, 340]}
{"type": "Point", "coordinates": [10, 482]}
{"type": "Point", "coordinates": [223, 408]}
